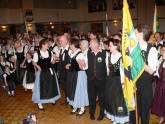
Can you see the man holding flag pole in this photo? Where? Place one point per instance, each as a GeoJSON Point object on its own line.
{"type": "Point", "coordinates": [144, 89]}
{"type": "Point", "coordinates": [139, 60]}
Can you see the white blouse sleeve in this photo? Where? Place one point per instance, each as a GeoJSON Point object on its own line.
{"type": "Point", "coordinates": [80, 56]}
{"type": "Point", "coordinates": [56, 51]}
{"type": "Point", "coordinates": [4, 76]}
{"type": "Point", "coordinates": [153, 58]}
{"type": "Point", "coordinates": [25, 50]}
{"type": "Point", "coordinates": [35, 57]}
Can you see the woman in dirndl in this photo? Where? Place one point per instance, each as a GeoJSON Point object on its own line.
{"type": "Point", "coordinates": [115, 107]}
{"type": "Point", "coordinates": [20, 56]}
{"type": "Point", "coordinates": [77, 94]}
{"type": "Point", "coordinates": [158, 105]}
{"type": "Point", "coordinates": [46, 88]}
{"type": "Point", "coordinates": [29, 76]}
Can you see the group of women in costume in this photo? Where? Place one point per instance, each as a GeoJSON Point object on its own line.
{"type": "Point", "coordinates": [35, 66]}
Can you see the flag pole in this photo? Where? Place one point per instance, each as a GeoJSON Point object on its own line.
{"type": "Point", "coordinates": [136, 108]}
{"type": "Point", "coordinates": [107, 30]}
{"type": "Point", "coordinates": [128, 33]}
{"type": "Point", "coordinates": [155, 24]}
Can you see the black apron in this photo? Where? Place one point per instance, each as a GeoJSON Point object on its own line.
{"type": "Point", "coordinates": [72, 78]}
{"type": "Point", "coordinates": [48, 86]}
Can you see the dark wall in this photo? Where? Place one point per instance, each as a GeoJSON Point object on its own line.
{"type": "Point", "coordinates": [10, 3]}
{"type": "Point", "coordinates": [56, 4]}
{"type": "Point", "coordinates": [12, 29]}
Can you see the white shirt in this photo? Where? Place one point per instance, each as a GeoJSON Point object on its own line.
{"type": "Point", "coordinates": [29, 60]}
{"type": "Point", "coordinates": [5, 63]}
{"type": "Point", "coordinates": [115, 57]}
{"type": "Point", "coordinates": [11, 50]}
{"type": "Point", "coordinates": [152, 56]}
{"type": "Point", "coordinates": [56, 50]}
{"type": "Point", "coordinates": [102, 45]}
{"type": "Point", "coordinates": [85, 52]}
{"type": "Point", "coordinates": [27, 48]}
{"type": "Point", "coordinates": [43, 54]}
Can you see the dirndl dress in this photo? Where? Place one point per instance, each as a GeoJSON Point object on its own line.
{"type": "Point", "coordinates": [158, 105]}
{"type": "Point", "coordinates": [19, 71]}
{"type": "Point", "coordinates": [46, 88]}
{"type": "Point", "coordinates": [77, 94]}
{"type": "Point", "coordinates": [115, 108]}
{"type": "Point", "coordinates": [29, 77]}
{"type": "Point", "coordinates": [81, 94]}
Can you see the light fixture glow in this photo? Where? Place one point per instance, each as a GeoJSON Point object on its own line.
{"type": "Point", "coordinates": [3, 27]}
{"type": "Point", "coordinates": [52, 26]}
{"type": "Point", "coordinates": [115, 21]}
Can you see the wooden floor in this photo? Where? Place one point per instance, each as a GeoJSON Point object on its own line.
{"type": "Point", "coordinates": [13, 109]}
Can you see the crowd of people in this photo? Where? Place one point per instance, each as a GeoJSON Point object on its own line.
{"type": "Point", "coordinates": [88, 68]}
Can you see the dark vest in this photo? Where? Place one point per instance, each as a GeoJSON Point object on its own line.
{"type": "Point", "coordinates": [158, 46]}
{"type": "Point", "coordinates": [8, 77]}
{"type": "Point", "coordinates": [96, 65]}
{"type": "Point", "coordinates": [114, 68]}
{"type": "Point", "coordinates": [20, 56]}
{"type": "Point", "coordinates": [51, 50]}
{"type": "Point", "coordinates": [29, 67]}
{"type": "Point", "coordinates": [52, 47]}
{"type": "Point", "coordinates": [145, 53]}
{"type": "Point", "coordinates": [36, 48]}
{"type": "Point", "coordinates": [44, 63]}
{"type": "Point", "coordinates": [66, 59]}
{"type": "Point", "coordinates": [74, 63]}
{"type": "Point", "coordinates": [145, 74]}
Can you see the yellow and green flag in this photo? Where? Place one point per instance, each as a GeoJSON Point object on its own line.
{"type": "Point", "coordinates": [155, 25]}
{"type": "Point", "coordinates": [132, 63]}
